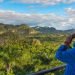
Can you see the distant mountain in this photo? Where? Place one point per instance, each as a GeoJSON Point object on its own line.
{"type": "Point", "coordinates": [46, 30]}
{"type": "Point", "coordinates": [24, 29]}
{"type": "Point", "coordinates": [70, 31]}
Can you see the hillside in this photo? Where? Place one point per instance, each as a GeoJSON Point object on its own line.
{"type": "Point", "coordinates": [21, 55]}
{"type": "Point", "coordinates": [24, 29]}
{"type": "Point", "coordinates": [19, 29]}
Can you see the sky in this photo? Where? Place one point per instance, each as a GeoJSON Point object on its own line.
{"type": "Point", "coordinates": [52, 13]}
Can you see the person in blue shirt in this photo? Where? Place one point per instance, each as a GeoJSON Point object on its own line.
{"type": "Point", "coordinates": [67, 55]}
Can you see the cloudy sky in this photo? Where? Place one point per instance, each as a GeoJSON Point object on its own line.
{"type": "Point", "coordinates": [53, 13]}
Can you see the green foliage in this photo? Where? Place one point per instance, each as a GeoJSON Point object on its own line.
{"type": "Point", "coordinates": [22, 54]}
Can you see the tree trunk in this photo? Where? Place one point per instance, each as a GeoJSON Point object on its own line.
{"type": "Point", "coordinates": [8, 69]}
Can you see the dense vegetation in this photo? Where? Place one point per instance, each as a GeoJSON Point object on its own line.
{"type": "Point", "coordinates": [23, 50]}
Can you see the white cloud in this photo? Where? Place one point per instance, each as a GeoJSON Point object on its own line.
{"type": "Point", "coordinates": [69, 1]}
{"type": "Point", "coordinates": [51, 20]}
{"type": "Point", "coordinates": [70, 11]}
{"type": "Point", "coordinates": [44, 2]}
{"type": "Point", "coordinates": [51, 2]}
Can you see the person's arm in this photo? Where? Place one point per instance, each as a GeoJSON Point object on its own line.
{"type": "Point", "coordinates": [63, 53]}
